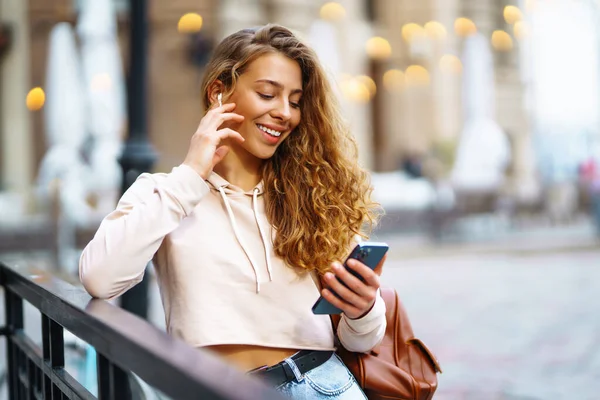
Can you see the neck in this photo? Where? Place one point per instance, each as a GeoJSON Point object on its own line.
{"type": "Point", "coordinates": [240, 168]}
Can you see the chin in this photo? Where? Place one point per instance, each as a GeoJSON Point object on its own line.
{"type": "Point", "coordinates": [262, 151]}
{"type": "Point", "coordinates": [263, 155]}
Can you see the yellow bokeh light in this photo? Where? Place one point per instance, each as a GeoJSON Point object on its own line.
{"type": "Point", "coordinates": [355, 90]}
{"type": "Point", "coordinates": [369, 83]}
{"type": "Point", "coordinates": [101, 83]}
{"type": "Point", "coordinates": [332, 11]}
{"type": "Point", "coordinates": [412, 31]}
{"type": "Point", "coordinates": [521, 30]}
{"type": "Point", "coordinates": [512, 14]}
{"type": "Point", "coordinates": [450, 64]}
{"type": "Point", "coordinates": [378, 48]}
{"type": "Point", "coordinates": [436, 30]}
{"type": "Point", "coordinates": [393, 80]}
{"type": "Point", "coordinates": [501, 41]}
{"type": "Point", "coordinates": [464, 27]}
{"type": "Point", "coordinates": [35, 99]}
{"type": "Point", "coordinates": [190, 23]}
{"type": "Point", "coordinates": [417, 75]}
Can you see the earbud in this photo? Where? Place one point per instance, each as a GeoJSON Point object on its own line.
{"type": "Point", "coordinates": [220, 99]}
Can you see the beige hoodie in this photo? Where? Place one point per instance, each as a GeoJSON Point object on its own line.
{"type": "Point", "coordinates": [220, 282]}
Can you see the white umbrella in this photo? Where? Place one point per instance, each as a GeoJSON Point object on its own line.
{"type": "Point", "coordinates": [64, 123]}
{"type": "Point", "coordinates": [64, 110]}
{"type": "Point", "coordinates": [65, 133]}
{"type": "Point", "coordinates": [484, 150]}
{"type": "Point", "coordinates": [105, 91]}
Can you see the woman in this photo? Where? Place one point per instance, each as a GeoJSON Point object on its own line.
{"type": "Point", "coordinates": [245, 232]}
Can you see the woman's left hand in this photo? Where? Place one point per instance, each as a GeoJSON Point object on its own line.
{"type": "Point", "coordinates": [356, 298]}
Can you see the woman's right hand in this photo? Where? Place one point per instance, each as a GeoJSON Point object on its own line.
{"type": "Point", "coordinates": [206, 149]}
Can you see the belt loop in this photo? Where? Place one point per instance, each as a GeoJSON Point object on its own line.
{"type": "Point", "coordinates": [292, 364]}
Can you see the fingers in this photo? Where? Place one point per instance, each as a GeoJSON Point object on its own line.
{"type": "Point", "coordinates": [215, 117]}
{"type": "Point", "coordinates": [352, 296]}
{"type": "Point", "coordinates": [346, 308]}
{"type": "Point", "coordinates": [370, 277]}
{"type": "Point", "coordinates": [354, 283]}
{"type": "Point", "coordinates": [352, 292]}
{"type": "Point", "coordinates": [220, 153]}
{"type": "Point", "coordinates": [230, 117]}
{"type": "Point", "coordinates": [214, 121]}
{"type": "Point", "coordinates": [227, 133]}
{"type": "Point", "coordinates": [209, 144]}
{"type": "Point", "coordinates": [225, 107]}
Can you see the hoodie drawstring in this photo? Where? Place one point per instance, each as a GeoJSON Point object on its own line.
{"type": "Point", "coordinates": [239, 238]}
{"type": "Point", "coordinates": [262, 235]}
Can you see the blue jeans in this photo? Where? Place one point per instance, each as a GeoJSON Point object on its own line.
{"type": "Point", "coordinates": [330, 380]}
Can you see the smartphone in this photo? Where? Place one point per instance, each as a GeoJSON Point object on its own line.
{"type": "Point", "coordinates": [370, 254]}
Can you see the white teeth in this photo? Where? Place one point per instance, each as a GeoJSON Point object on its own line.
{"type": "Point", "coordinates": [269, 131]}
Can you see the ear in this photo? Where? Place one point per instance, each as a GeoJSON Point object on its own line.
{"type": "Point", "coordinates": [213, 91]}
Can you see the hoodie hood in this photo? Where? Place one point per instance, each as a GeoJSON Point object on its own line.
{"type": "Point", "coordinates": [216, 181]}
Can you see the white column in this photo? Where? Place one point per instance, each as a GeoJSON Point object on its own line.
{"type": "Point", "coordinates": [15, 133]}
{"type": "Point", "coordinates": [353, 32]}
{"type": "Point", "coordinates": [447, 89]}
{"type": "Point", "coordinates": [410, 117]}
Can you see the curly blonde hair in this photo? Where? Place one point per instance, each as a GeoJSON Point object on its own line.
{"type": "Point", "coordinates": [317, 196]}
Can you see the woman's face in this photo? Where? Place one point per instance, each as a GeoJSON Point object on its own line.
{"type": "Point", "coordinates": [268, 95]}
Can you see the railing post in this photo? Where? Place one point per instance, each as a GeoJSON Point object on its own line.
{"type": "Point", "coordinates": [14, 322]}
{"type": "Point", "coordinates": [113, 383]}
{"type": "Point", "coordinates": [53, 344]}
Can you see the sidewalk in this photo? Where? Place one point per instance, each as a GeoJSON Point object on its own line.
{"type": "Point", "coordinates": [511, 318]}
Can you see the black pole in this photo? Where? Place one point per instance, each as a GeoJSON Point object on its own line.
{"type": "Point", "coordinates": [138, 155]}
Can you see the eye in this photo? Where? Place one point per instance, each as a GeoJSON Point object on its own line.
{"type": "Point", "coordinates": [266, 96]}
{"type": "Point", "coordinates": [295, 105]}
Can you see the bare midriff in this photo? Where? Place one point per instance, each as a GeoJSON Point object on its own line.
{"type": "Point", "coordinates": [247, 357]}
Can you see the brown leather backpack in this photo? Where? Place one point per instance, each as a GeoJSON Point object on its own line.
{"type": "Point", "coordinates": [401, 367]}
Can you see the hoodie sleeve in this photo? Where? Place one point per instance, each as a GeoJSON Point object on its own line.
{"type": "Point", "coordinates": [363, 334]}
{"type": "Point", "coordinates": [116, 258]}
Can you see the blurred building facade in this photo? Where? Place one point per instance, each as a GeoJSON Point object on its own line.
{"type": "Point", "coordinates": [400, 119]}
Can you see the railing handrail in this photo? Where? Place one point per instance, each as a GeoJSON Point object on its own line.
{"type": "Point", "coordinates": [164, 362]}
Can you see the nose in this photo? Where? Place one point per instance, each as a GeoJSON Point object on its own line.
{"type": "Point", "coordinates": [282, 111]}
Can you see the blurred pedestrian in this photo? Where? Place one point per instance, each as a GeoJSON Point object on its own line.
{"type": "Point", "coordinates": [589, 173]}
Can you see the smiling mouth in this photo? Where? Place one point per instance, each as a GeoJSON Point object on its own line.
{"type": "Point", "coordinates": [269, 131]}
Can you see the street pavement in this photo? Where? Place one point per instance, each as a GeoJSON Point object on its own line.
{"type": "Point", "coordinates": [517, 321]}
{"type": "Point", "coordinates": [513, 317]}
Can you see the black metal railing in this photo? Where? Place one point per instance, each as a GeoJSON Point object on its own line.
{"type": "Point", "coordinates": [124, 344]}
